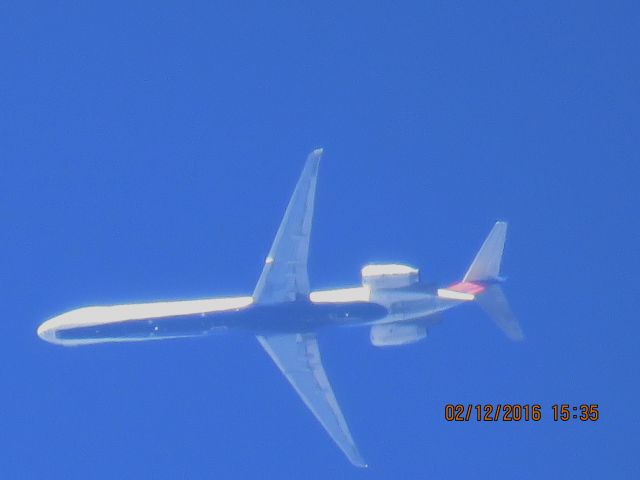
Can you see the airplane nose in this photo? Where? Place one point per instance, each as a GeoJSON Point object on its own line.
{"type": "Point", "coordinates": [46, 332]}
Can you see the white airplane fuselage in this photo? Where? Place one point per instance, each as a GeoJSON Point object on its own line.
{"type": "Point", "coordinates": [355, 306]}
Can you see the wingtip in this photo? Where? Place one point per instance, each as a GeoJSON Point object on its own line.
{"type": "Point", "coordinates": [517, 336]}
{"type": "Point", "coordinates": [356, 459]}
{"type": "Point", "coordinates": [360, 463]}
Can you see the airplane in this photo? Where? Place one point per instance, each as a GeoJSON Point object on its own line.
{"type": "Point", "coordinates": [285, 315]}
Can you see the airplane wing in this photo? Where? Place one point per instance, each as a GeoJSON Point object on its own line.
{"type": "Point", "coordinates": [298, 357]}
{"type": "Point", "coordinates": [284, 276]}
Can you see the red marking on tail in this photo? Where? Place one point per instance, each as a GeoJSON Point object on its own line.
{"type": "Point", "coordinates": [466, 287]}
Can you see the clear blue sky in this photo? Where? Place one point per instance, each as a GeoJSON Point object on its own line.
{"type": "Point", "coordinates": [148, 151]}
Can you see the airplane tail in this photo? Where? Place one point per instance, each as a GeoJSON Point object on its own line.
{"type": "Point", "coordinates": [485, 271]}
{"type": "Point", "coordinates": [495, 305]}
{"type": "Point", "coordinates": [486, 265]}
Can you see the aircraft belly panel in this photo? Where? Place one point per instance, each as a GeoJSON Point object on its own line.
{"type": "Point", "coordinates": [170, 327]}
{"type": "Point", "coordinates": [302, 316]}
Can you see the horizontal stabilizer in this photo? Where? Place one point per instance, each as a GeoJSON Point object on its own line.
{"type": "Point", "coordinates": [494, 303]}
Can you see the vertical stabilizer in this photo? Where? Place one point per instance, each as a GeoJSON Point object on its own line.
{"type": "Point", "coordinates": [485, 272]}
{"type": "Point", "coordinates": [486, 265]}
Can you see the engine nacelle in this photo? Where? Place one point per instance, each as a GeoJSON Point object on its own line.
{"type": "Point", "coordinates": [390, 275]}
{"type": "Point", "coordinates": [394, 334]}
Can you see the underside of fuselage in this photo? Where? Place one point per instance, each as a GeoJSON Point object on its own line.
{"type": "Point", "coordinates": [299, 316]}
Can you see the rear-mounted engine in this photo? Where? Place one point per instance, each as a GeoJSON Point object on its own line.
{"type": "Point", "coordinates": [394, 334]}
{"type": "Point", "coordinates": [391, 275]}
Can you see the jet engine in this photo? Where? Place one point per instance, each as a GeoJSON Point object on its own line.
{"type": "Point", "coordinates": [394, 334]}
{"type": "Point", "coordinates": [390, 275]}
